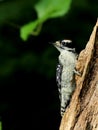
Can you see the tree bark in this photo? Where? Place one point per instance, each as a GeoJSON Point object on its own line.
{"type": "Point", "coordinates": [82, 113]}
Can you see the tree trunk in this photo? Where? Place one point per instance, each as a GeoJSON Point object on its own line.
{"type": "Point", "coordinates": [82, 113]}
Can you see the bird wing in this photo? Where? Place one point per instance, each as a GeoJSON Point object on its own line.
{"type": "Point", "coordinates": [59, 68]}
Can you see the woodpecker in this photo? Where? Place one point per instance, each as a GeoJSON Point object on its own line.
{"type": "Point", "coordinates": [65, 72]}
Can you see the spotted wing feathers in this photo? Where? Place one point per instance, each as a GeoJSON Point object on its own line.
{"type": "Point", "coordinates": [58, 76]}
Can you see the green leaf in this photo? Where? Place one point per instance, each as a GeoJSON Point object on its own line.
{"type": "Point", "coordinates": [27, 29]}
{"type": "Point", "coordinates": [52, 8]}
{"type": "Point", "coordinates": [45, 9]}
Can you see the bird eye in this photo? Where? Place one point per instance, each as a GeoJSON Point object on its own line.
{"type": "Point", "coordinates": [67, 43]}
{"type": "Point", "coordinates": [63, 43]}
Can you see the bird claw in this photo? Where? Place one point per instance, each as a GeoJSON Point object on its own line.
{"type": "Point", "coordinates": [77, 72]}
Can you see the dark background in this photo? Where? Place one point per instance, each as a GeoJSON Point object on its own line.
{"type": "Point", "coordinates": [28, 91]}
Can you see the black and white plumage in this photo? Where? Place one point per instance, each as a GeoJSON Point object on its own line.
{"type": "Point", "coordinates": [58, 76]}
{"type": "Point", "coordinates": [65, 72]}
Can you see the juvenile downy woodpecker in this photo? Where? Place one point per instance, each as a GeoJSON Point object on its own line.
{"type": "Point", "coordinates": [65, 72]}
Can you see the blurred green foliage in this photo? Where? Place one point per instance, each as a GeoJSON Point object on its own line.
{"type": "Point", "coordinates": [15, 13]}
{"type": "Point", "coordinates": [0, 125]}
{"type": "Point", "coordinates": [45, 9]}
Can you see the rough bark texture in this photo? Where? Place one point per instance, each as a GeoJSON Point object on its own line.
{"type": "Point", "coordinates": [82, 113]}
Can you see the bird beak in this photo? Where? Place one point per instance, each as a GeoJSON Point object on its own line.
{"type": "Point", "coordinates": [56, 44]}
